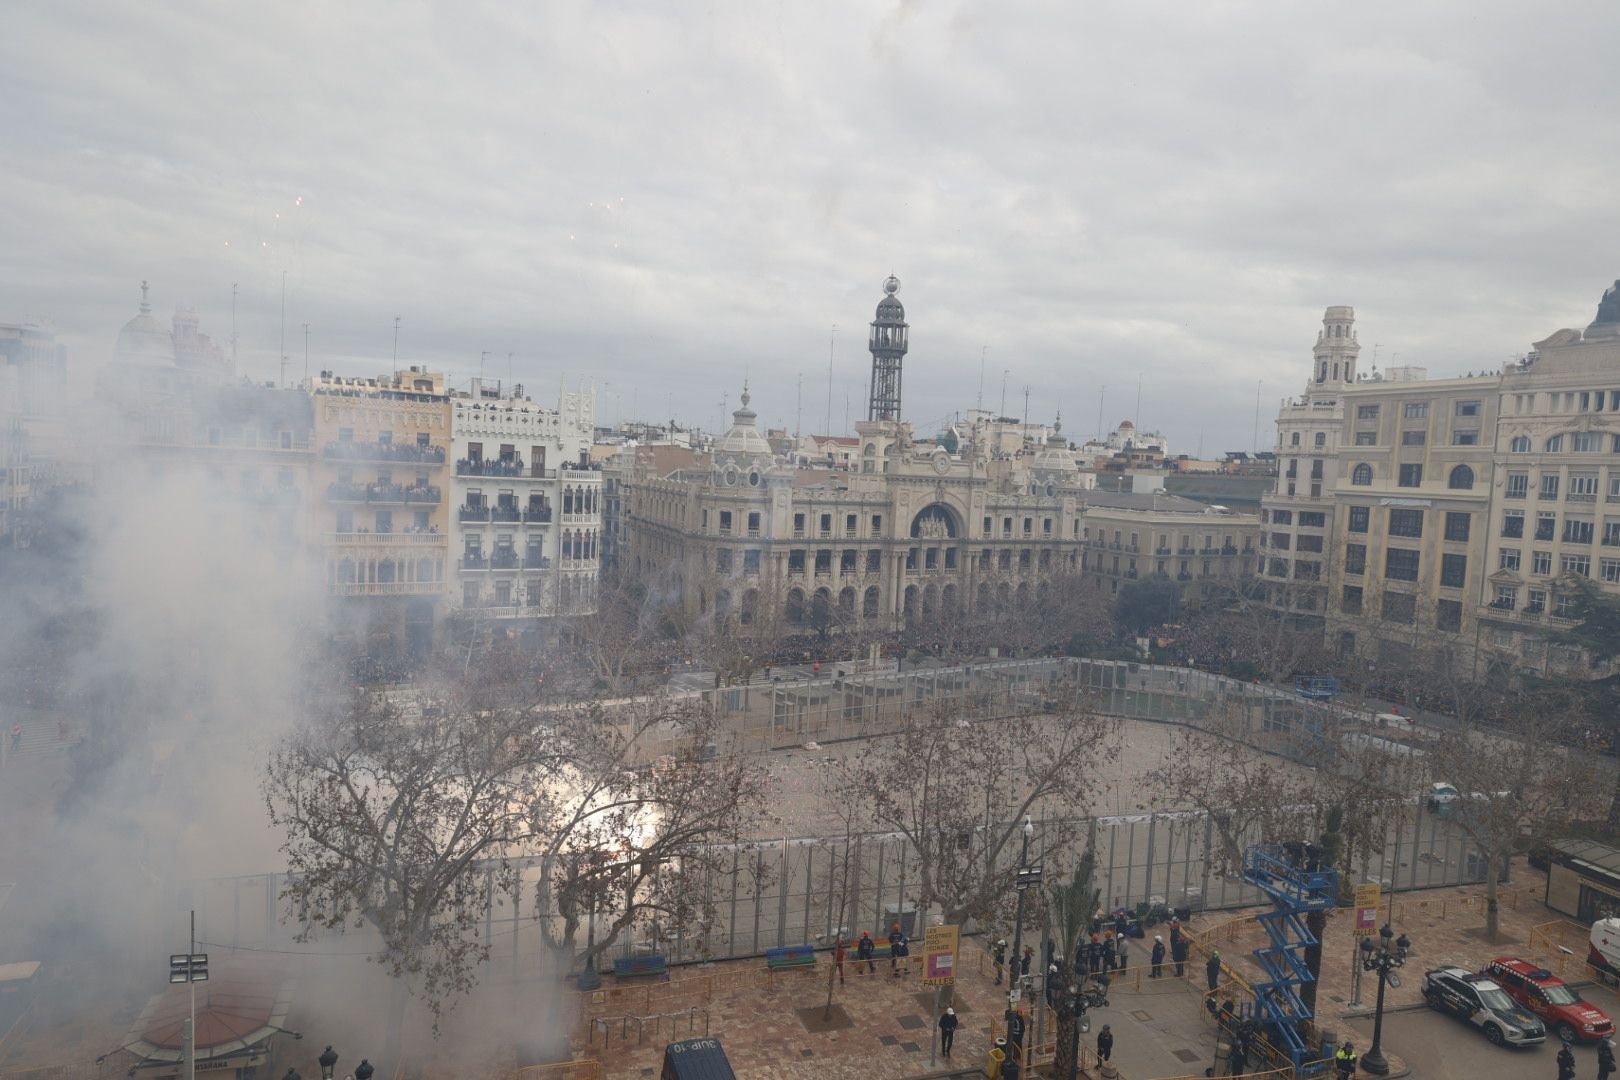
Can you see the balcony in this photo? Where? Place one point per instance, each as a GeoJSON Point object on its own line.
{"type": "Point", "coordinates": [473, 513]}
{"type": "Point", "coordinates": [341, 491]}
{"type": "Point", "coordinates": [506, 513]}
{"type": "Point", "coordinates": [505, 560]}
{"type": "Point", "coordinates": [1515, 493]}
{"type": "Point", "coordinates": [474, 561]}
{"type": "Point", "coordinates": [378, 451]}
{"type": "Point", "coordinates": [537, 516]}
{"type": "Point", "coordinates": [388, 588]}
{"type": "Point", "coordinates": [364, 538]}
{"type": "Point", "coordinates": [1583, 497]}
{"type": "Point", "coordinates": [493, 467]}
{"type": "Point", "coordinates": [1161, 551]}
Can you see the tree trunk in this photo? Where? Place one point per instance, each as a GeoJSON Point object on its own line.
{"type": "Point", "coordinates": [1064, 1064]}
{"type": "Point", "coordinates": [1491, 903]}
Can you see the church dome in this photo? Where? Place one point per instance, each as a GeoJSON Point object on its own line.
{"type": "Point", "coordinates": [143, 339]}
{"type": "Point", "coordinates": [743, 441]}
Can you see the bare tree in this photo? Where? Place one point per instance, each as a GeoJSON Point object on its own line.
{"type": "Point", "coordinates": [1069, 908]}
{"type": "Point", "coordinates": [957, 790]}
{"type": "Point", "coordinates": [1245, 622]}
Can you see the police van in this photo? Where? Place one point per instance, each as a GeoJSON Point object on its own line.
{"type": "Point", "coordinates": [1477, 1000]}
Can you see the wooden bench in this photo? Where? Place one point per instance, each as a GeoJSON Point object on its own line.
{"type": "Point", "coordinates": [790, 956]}
{"type": "Point", "coordinates": [640, 967]}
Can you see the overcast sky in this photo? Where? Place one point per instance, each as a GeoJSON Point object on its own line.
{"type": "Point", "coordinates": [663, 197]}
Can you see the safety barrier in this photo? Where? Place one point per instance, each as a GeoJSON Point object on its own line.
{"type": "Point", "coordinates": [584, 1069]}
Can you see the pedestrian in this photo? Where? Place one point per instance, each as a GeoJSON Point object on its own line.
{"type": "Point", "coordinates": [1178, 952]}
{"type": "Point", "coordinates": [1158, 957]}
{"type": "Point", "coordinates": [1108, 951]}
{"type": "Point", "coordinates": [1105, 1043]}
{"type": "Point", "coordinates": [1176, 933]}
{"type": "Point", "coordinates": [838, 958]}
{"type": "Point", "coordinates": [896, 950]}
{"type": "Point", "coordinates": [1605, 1059]}
{"type": "Point", "coordinates": [1237, 1059]}
{"type": "Point", "coordinates": [1052, 980]}
{"type": "Point", "coordinates": [1123, 953]}
{"type": "Point", "coordinates": [1345, 1061]}
{"type": "Point", "coordinates": [1122, 923]}
{"type": "Point", "coordinates": [947, 1031]}
{"type": "Point", "coordinates": [865, 949]}
{"type": "Point", "coordinates": [1566, 1063]}
{"type": "Point", "coordinates": [998, 957]}
{"type": "Point", "coordinates": [1023, 964]}
{"type": "Point", "coordinates": [1213, 968]}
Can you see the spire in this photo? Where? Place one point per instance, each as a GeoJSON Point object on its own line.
{"type": "Point", "coordinates": [745, 397]}
{"type": "Point", "coordinates": [146, 308]}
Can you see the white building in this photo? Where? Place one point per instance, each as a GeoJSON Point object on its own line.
{"type": "Point", "coordinates": [526, 530]}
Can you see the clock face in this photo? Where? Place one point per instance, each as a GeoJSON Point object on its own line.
{"type": "Point", "coordinates": [942, 464]}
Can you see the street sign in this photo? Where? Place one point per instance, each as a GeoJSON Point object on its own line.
{"type": "Point", "coordinates": [1369, 894]}
{"type": "Point", "coordinates": [939, 955]}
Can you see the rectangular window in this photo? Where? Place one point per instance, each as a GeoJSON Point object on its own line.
{"type": "Point", "coordinates": [1416, 410]}
{"type": "Point", "coordinates": [1549, 486]}
{"type": "Point", "coordinates": [1400, 608]}
{"type": "Point", "coordinates": [1576, 564]}
{"type": "Point", "coordinates": [1583, 487]}
{"type": "Point", "coordinates": [1411, 476]}
{"type": "Point", "coordinates": [750, 562]}
{"type": "Point", "coordinates": [1309, 543]}
{"type": "Point", "coordinates": [1578, 530]}
{"type": "Point", "coordinates": [1006, 526]}
{"type": "Point", "coordinates": [1359, 517]}
{"type": "Point", "coordinates": [1564, 606]}
{"type": "Point", "coordinates": [1508, 559]}
{"type": "Point", "coordinates": [877, 525]}
{"type": "Point", "coordinates": [1541, 563]}
{"type": "Point", "coordinates": [1312, 519]}
{"type": "Point", "coordinates": [1351, 603]}
{"type": "Point", "coordinates": [1518, 485]}
{"type": "Point", "coordinates": [824, 562]}
{"type": "Point", "coordinates": [826, 524]}
{"type": "Point", "coordinates": [850, 524]}
{"type": "Point", "coordinates": [1507, 597]}
{"type": "Point", "coordinates": [1453, 571]}
{"type": "Point", "coordinates": [796, 561]}
{"type": "Point", "coordinates": [1611, 532]}
{"type": "Point", "coordinates": [798, 524]}
{"type": "Point", "coordinates": [1610, 570]}
{"type": "Point", "coordinates": [1408, 523]}
{"type": "Point", "coordinates": [1535, 602]}
{"type": "Point", "coordinates": [1281, 541]}
{"type": "Point", "coordinates": [722, 560]}
{"type": "Point", "coordinates": [1282, 517]}
{"type": "Point", "coordinates": [874, 562]}
{"type": "Point", "coordinates": [1366, 438]}
{"type": "Point", "coordinates": [1414, 438]}
{"type": "Point", "coordinates": [1448, 615]}
{"type": "Point", "coordinates": [1546, 525]}
{"type": "Point", "coordinates": [1468, 408]}
{"type": "Point", "coordinates": [1465, 438]}
{"type": "Point", "coordinates": [1024, 559]}
{"type": "Point", "coordinates": [989, 527]}
{"type": "Point", "coordinates": [1513, 523]}
{"type": "Point", "coordinates": [753, 523]}
{"type": "Point", "coordinates": [1401, 564]}
{"type": "Point", "coordinates": [1586, 442]}
{"type": "Point", "coordinates": [847, 561]}
{"type": "Point", "coordinates": [1355, 559]}
{"type": "Point", "coordinates": [1457, 526]}
{"type": "Point", "coordinates": [725, 521]}
{"type": "Point", "coordinates": [1366, 412]}
{"type": "Point", "coordinates": [345, 521]}
{"type": "Point", "coordinates": [1046, 526]}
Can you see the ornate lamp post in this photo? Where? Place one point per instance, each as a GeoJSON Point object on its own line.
{"type": "Point", "coordinates": [1382, 959]}
{"type": "Point", "coordinates": [1028, 878]}
{"type": "Point", "coordinates": [328, 1060]}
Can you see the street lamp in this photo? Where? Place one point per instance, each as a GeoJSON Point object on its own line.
{"type": "Point", "coordinates": [328, 1060]}
{"type": "Point", "coordinates": [1382, 959]}
{"type": "Point", "coordinates": [1028, 878]}
{"type": "Point", "coordinates": [363, 1070]}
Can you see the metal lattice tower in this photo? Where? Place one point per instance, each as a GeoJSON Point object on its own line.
{"type": "Point", "coordinates": [888, 345]}
{"type": "Point", "coordinates": [1294, 890]}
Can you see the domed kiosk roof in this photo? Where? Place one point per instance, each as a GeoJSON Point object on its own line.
{"type": "Point", "coordinates": [744, 439]}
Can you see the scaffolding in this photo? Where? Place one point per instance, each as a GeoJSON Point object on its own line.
{"type": "Point", "coordinates": [1296, 886]}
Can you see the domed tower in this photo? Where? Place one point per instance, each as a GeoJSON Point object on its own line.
{"type": "Point", "coordinates": [1336, 348]}
{"type": "Point", "coordinates": [888, 345]}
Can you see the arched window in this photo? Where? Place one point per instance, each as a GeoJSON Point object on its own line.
{"type": "Point", "coordinates": [1294, 439]}
{"type": "Point", "coordinates": [1520, 444]}
{"type": "Point", "coordinates": [1555, 444]}
{"type": "Point", "coordinates": [1361, 475]}
{"type": "Point", "coordinates": [1321, 439]}
{"type": "Point", "coordinates": [1462, 478]}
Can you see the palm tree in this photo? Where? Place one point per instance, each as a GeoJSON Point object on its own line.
{"type": "Point", "coordinates": [1069, 911]}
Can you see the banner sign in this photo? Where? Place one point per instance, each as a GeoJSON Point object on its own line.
{"type": "Point", "coordinates": [1368, 896]}
{"type": "Point", "coordinates": [939, 955]}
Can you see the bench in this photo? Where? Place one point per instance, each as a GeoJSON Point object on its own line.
{"type": "Point", "coordinates": [640, 967]}
{"type": "Point", "coordinates": [790, 956]}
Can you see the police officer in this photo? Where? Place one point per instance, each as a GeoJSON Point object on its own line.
{"type": "Point", "coordinates": [1566, 1064]}
{"type": "Point", "coordinates": [1605, 1059]}
{"type": "Point", "coordinates": [1158, 957]}
{"type": "Point", "coordinates": [998, 957]}
{"type": "Point", "coordinates": [865, 949]}
{"type": "Point", "coordinates": [1345, 1061]}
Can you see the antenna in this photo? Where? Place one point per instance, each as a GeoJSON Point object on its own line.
{"type": "Point", "coordinates": [483, 356]}
{"type": "Point", "coordinates": [509, 370]}
{"type": "Point", "coordinates": [831, 341]}
{"type": "Point", "coordinates": [1026, 405]}
{"type": "Point", "coordinates": [1003, 393]}
{"type": "Point", "coordinates": [1102, 397]}
{"type": "Point", "coordinates": [1138, 418]}
{"type": "Point", "coordinates": [1257, 387]}
{"type": "Point", "coordinates": [983, 349]}
{"type": "Point", "coordinates": [396, 344]}
{"type": "Point", "coordinates": [284, 328]}
{"type": "Point", "coordinates": [798, 415]}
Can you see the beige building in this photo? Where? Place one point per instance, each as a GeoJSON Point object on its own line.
{"type": "Point", "coordinates": [378, 508]}
{"type": "Point", "coordinates": [1129, 536]}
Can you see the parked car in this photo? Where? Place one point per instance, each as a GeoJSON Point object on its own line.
{"type": "Point", "coordinates": [1546, 995]}
{"type": "Point", "coordinates": [1479, 1001]}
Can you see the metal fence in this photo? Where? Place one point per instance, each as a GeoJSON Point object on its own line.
{"type": "Point", "coordinates": [792, 890]}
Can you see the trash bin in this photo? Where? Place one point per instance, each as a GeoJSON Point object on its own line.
{"type": "Point", "coordinates": [992, 1063]}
